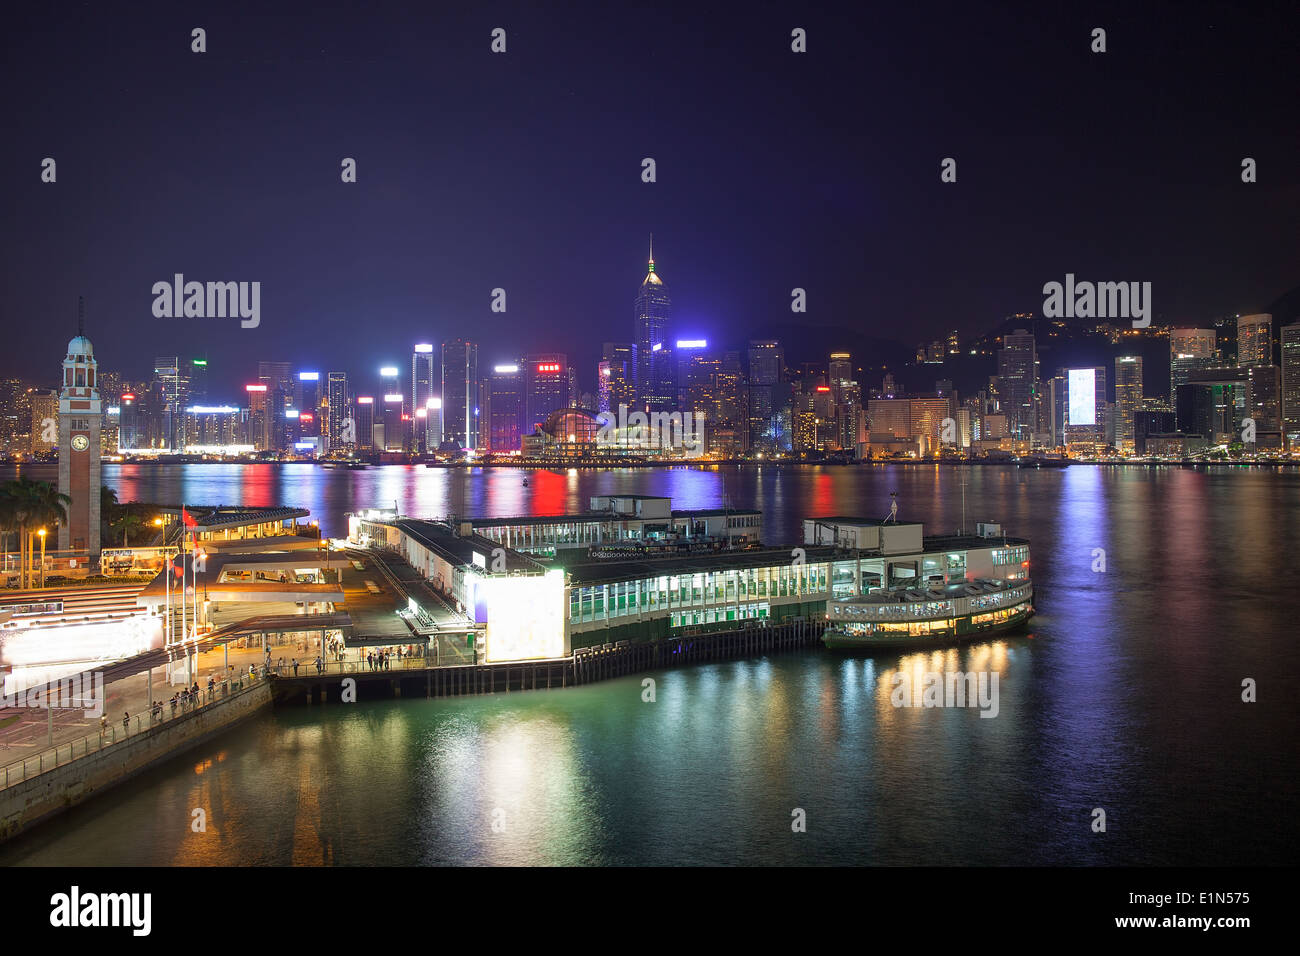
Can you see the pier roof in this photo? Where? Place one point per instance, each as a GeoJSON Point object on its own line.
{"type": "Point", "coordinates": [210, 518]}
{"type": "Point", "coordinates": [461, 549]}
{"type": "Point", "coordinates": [602, 572]}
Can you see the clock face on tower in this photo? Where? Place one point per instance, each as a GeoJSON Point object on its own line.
{"type": "Point", "coordinates": [80, 442]}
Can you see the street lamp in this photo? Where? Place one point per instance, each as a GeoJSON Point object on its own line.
{"type": "Point", "coordinates": [42, 534]}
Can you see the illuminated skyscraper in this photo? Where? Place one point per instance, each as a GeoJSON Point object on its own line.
{"type": "Point", "coordinates": [1017, 380]}
{"type": "Point", "coordinates": [1254, 340]}
{"type": "Point", "coordinates": [422, 389]}
{"type": "Point", "coordinates": [460, 393]}
{"type": "Point", "coordinates": [770, 399]}
{"type": "Point", "coordinates": [307, 401]}
{"type": "Point", "coordinates": [198, 381]}
{"type": "Point", "coordinates": [395, 423]}
{"type": "Point", "coordinates": [1128, 399]}
{"type": "Point", "coordinates": [1291, 383]}
{"type": "Point", "coordinates": [616, 376]}
{"type": "Point", "coordinates": [170, 373]}
{"type": "Point", "coordinates": [364, 418]}
{"type": "Point", "coordinates": [546, 387]}
{"type": "Point", "coordinates": [262, 419]}
{"type": "Point", "coordinates": [505, 402]}
{"type": "Point", "coordinates": [339, 426]}
{"type": "Point", "coordinates": [653, 313]}
{"type": "Point", "coordinates": [1190, 350]}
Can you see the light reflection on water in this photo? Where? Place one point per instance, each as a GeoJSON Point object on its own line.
{"type": "Point", "coordinates": [1123, 694]}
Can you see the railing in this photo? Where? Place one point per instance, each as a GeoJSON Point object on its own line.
{"type": "Point", "coordinates": [394, 663]}
{"type": "Point", "coordinates": [164, 712]}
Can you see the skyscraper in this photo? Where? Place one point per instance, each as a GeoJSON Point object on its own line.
{"type": "Point", "coordinates": [281, 395]}
{"type": "Point", "coordinates": [653, 313]}
{"type": "Point", "coordinates": [1128, 399]}
{"type": "Point", "coordinates": [460, 393]}
{"type": "Point", "coordinates": [506, 409]}
{"type": "Point", "coordinates": [307, 402]}
{"type": "Point", "coordinates": [198, 379]}
{"type": "Point", "coordinates": [364, 417]}
{"type": "Point", "coordinates": [422, 379]}
{"type": "Point", "coordinates": [263, 418]}
{"type": "Point", "coordinates": [1017, 381]}
{"type": "Point", "coordinates": [340, 427]}
{"type": "Point", "coordinates": [616, 376]}
{"type": "Point", "coordinates": [169, 373]}
{"type": "Point", "coordinates": [546, 387]}
{"type": "Point", "coordinates": [395, 422]}
{"type": "Point", "coordinates": [1190, 350]}
{"type": "Point", "coordinates": [770, 398]}
{"type": "Point", "coordinates": [1254, 340]}
{"type": "Point", "coordinates": [1291, 384]}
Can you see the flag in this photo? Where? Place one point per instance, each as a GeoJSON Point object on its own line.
{"type": "Point", "coordinates": [188, 518]}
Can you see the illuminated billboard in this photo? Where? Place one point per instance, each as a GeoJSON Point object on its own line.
{"type": "Point", "coordinates": [543, 367]}
{"type": "Point", "coordinates": [525, 616]}
{"type": "Point", "coordinates": [1083, 396]}
{"type": "Point", "coordinates": [309, 376]}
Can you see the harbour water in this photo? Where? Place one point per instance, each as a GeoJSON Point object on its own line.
{"type": "Point", "coordinates": [1124, 694]}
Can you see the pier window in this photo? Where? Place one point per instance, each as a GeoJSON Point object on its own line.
{"type": "Point", "coordinates": [956, 566]}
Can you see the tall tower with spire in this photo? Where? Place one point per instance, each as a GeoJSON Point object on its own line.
{"type": "Point", "coordinates": [653, 313]}
{"type": "Point", "coordinates": [80, 423]}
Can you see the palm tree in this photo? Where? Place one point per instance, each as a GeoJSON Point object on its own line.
{"type": "Point", "coordinates": [54, 504]}
{"type": "Point", "coordinates": [30, 504]}
{"type": "Point", "coordinates": [130, 523]}
{"type": "Point", "coordinates": [8, 517]}
{"type": "Point", "coordinates": [23, 498]}
{"type": "Point", "coordinates": [110, 509]}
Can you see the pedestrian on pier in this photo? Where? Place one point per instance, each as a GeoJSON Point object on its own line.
{"type": "Point", "coordinates": [370, 660]}
{"type": "Point", "coordinates": [103, 725]}
{"type": "Point", "coordinates": [126, 722]}
{"type": "Point", "coordinates": [173, 705]}
{"type": "Point", "coordinates": [320, 665]}
{"type": "Point", "coordinates": [295, 667]}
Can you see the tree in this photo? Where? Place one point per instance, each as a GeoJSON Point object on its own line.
{"type": "Point", "coordinates": [8, 517]}
{"type": "Point", "coordinates": [110, 509]}
{"type": "Point", "coordinates": [23, 503]}
{"type": "Point", "coordinates": [130, 523]}
{"type": "Point", "coordinates": [28, 505]}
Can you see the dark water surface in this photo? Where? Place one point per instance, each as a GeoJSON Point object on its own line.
{"type": "Point", "coordinates": [1124, 695]}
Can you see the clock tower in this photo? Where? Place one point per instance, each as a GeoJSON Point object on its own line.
{"type": "Point", "coordinates": [80, 423]}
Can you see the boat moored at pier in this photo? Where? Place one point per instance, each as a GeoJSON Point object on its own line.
{"type": "Point", "coordinates": [909, 590]}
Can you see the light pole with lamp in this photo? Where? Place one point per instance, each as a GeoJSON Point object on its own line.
{"type": "Point", "coordinates": [42, 534]}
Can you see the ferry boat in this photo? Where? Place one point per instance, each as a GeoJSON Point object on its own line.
{"type": "Point", "coordinates": [911, 591]}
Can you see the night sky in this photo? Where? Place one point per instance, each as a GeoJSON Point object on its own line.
{"type": "Point", "coordinates": [523, 171]}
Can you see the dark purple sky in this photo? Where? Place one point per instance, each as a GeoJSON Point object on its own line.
{"type": "Point", "coordinates": [522, 171]}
